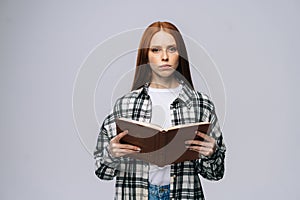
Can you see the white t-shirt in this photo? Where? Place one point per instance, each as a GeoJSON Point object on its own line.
{"type": "Point", "coordinates": [161, 100]}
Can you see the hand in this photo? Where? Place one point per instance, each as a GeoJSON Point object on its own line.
{"type": "Point", "coordinates": [206, 147]}
{"type": "Point", "coordinates": [116, 149]}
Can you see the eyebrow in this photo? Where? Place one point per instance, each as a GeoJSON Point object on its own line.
{"type": "Point", "coordinates": [172, 45]}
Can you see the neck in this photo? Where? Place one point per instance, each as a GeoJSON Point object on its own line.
{"type": "Point", "coordinates": [164, 83]}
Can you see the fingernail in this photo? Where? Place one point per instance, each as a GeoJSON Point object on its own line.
{"type": "Point", "coordinates": [138, 149]}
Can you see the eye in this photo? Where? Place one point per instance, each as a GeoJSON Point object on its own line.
{"type": "Point", "coordinates": [155, 50]}
{"type": "Point", "coordinates": [172, 49]}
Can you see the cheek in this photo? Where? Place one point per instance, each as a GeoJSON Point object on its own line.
{"type": "Point", "coordinates": [153, 59]}
{"type": "Point", "coordinates": [151, 62]}
{"type": "Point", "coordinates": [175, 59]}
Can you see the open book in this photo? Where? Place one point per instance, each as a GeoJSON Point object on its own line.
{"type": "Point", "coordinates": [160, 146]}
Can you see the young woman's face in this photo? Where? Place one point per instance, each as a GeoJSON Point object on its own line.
{"type": "Point", "coordinates": [163, 55]}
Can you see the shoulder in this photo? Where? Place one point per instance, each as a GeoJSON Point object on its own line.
{"type": "Point", "coordinates": [202, 96]}
{"type": "Point", "coordinates": [120, 106]}
{"type": "Point", "coordinates": [204, 100]}
{"type": "Point", "coordinates": [128, 97]}
{"type": "Point", "coordinates": [128, 101]}
{"type": "Point", "coordinates": [195, 98]}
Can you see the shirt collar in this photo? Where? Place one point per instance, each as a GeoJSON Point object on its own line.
{"type": "Point", "coordinates": [185, 96]}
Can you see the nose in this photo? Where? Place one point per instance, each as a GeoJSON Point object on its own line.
{"type": "Point", "coordinates": [164, 56]}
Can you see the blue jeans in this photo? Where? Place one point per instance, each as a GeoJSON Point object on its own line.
{"type": "Point", "coordinates": [159, 192]}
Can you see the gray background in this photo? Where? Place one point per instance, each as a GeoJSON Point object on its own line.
{"type": "Point", "coordinates": [43, 43]}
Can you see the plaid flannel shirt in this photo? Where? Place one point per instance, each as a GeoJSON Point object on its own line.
{"type": "Point", "coordinates": [132, 174]}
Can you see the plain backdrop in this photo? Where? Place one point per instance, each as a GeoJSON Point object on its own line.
{"type": "Point", "coordinates": [255, 45]}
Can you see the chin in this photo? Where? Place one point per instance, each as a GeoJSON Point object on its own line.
{"type": "Point", "coordinates": [163, 73]}
{"type": "Point", "coordinates": [166, 75]}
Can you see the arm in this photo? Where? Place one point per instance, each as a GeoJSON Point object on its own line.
{"type": "Point", "coordinates": [211, 150]}
{"type": "Point", "coordinates": [212, 167]}
{"type": "Point", "coordinates": [106, 165]}
{"type": "Point", "coordinates": [109, 152]}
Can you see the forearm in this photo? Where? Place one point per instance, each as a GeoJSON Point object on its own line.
{"type": "Point", "coordinates": [213, 167]}
{"type": "Point", "coordinates": [106, 165]}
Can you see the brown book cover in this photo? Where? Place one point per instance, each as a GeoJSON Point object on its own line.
{"type": "Point", "coordinates": [160, 146]}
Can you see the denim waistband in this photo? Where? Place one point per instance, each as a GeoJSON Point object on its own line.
{"type": "Point", "coordinates": [159, 187]}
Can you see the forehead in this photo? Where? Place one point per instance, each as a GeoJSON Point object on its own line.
{"type": "Point", "coordinates": [162, 38]}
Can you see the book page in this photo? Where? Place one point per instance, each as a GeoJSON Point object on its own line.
{"type": "Point", "coordinates": [146, 124]}
{"type": "Point", "coordinates": [186, 125]}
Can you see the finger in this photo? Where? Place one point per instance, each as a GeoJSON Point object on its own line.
{"type": "Point", "coordinates": [125, 146]}
{"type": "Point", "coordinates": [198, 148]}
{"type": "Point", "coordinates": [118, 137]}
{"type": "Point", "coordinates": [123, 152]}
{"type": "Point", "coordinates": [205, 136]}
{"type": "Point", "coordinates": [194, 142]}
{"type": "Point", "coordinates": [208, 140]}
{"type": "Point", "coordinates": [202, 150]}
{"type": "Point", "coordinates": [199, 143]}
{"type": "Point", "coordinates": [115, 151]}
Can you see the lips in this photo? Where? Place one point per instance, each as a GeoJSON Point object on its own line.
{"type": "Point", "coordinates": [165, 66]}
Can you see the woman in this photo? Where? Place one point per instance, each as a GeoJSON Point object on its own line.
{"type": "Point", "coordinates": [163, 93]}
